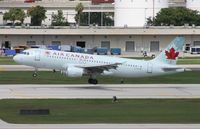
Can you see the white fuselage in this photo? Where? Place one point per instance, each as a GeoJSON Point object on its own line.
{"type": "Point", "coordinates": [59, 60]}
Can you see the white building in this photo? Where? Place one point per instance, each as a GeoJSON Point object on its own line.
{"type": "Point", "coordinates": [52, 6]}
{"type": "Point", "coordinates": [193, 4]}
{"type": "Point", "coordinates": [1, 18]}
{"type": "Point", "coordinates": [130, 40]}
{"type": "Point", "coordinates": [134, 13]}
{"type": "Point", "coordinates": [130, 13]}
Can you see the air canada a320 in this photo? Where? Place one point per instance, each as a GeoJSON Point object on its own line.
{"type": "Point", "coordinates": [78, 64]}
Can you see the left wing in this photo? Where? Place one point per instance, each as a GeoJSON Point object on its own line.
{"type": "Point", "coordinates": [98, 68]}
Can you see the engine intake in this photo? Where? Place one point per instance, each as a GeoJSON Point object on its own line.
{"type": "Point", "coordinates": [74, 72]}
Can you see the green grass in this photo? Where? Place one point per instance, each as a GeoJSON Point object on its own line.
{"type": "Point", "coordinates": [139, 58]}
{"type": "Point", "coordinates": [188, 61]}
{"type": "Point", "coordinates": [193, 57]}
{"type": "Point", "coordinates": [103, 111]}
{"type": "Point", "coordinates": [25, 77]}
{"type": "Point", "coordinates": [7, 61]}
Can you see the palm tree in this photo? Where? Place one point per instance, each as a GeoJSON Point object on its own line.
{"type": "Point", "coordinates": [79, 9]}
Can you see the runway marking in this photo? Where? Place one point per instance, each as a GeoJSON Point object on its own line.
{"type": "Point", "coordinates": [2, 69]}
{"type": "Point", "coordinates": [20, 94]}
{"type": "Point", "coordinates": [165, 94]}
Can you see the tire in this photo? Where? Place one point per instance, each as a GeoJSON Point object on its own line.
{"type": "Point", "coordinates": [95, 81]}
{"type": "Point", "coordinates": [34, 75]}
{"type": "Point", "coordinates": [92, 81]}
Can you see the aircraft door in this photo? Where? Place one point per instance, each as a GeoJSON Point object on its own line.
{"type": "Point", "coordinates": [149, 68]}
{"type": "Point", "coordinates": [82, 61]}
{"type": "Point", "coordinates": [37, 55]}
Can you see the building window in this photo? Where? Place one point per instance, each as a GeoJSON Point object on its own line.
{"type": "Point", "coordinates": [80, 44]}
{"type": "Point", "coordinates": [6, 44]}
{"type": "Point", "coordinates": [105, 44]}
{"type": "Point", "coordinates": [30, 43]}
{"type": "Point", "coordinates": [130, 46]}
{"type": "Point", "coordinates": [196, 43]}
{"type": "Point", "coordinates": [56, 43]}
{"type": "Point", "coordinates": [154, 46]}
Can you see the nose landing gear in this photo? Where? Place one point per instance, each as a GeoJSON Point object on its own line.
{"type": "Point", "coordinates": [92, 81]}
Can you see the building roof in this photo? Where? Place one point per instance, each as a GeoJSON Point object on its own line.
{"type": "Point", "coordinates": [101, 31]}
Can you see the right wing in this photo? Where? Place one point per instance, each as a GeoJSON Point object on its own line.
{"type": "Point", "coordinates": [98, 68]}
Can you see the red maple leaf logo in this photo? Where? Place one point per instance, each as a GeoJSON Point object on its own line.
{"type": "Point", "coordinates": [171, 54]}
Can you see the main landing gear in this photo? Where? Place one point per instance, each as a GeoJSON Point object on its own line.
{"type": "Point", "coordinates": [35, 73]}
{"type": "Point", "coordinates": [92, 81]}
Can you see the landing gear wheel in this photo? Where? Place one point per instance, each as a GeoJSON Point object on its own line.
{"type": "Point", "coordinates": [92, 81]}
{"type": "Point", "coordinates": [34, 75]}
{"type": "Point", "coordinates": [95, 81]}
{"type": "Point", "coordinates": [35, 72]}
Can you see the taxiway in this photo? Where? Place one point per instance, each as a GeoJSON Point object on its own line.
{"type": "Point", "coordinates": [101, 91]}
{"type": "Point", "coordinates": [4, 125]}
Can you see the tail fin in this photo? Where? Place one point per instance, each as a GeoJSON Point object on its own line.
{"type": "Point", "coordinates": [169, 55]}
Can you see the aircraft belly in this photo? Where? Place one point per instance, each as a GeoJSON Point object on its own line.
{"type": "Point", "coordinates": [127, 72]}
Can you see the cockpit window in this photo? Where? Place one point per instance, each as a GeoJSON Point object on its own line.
{"type": "Point", "coordinates": [24, 53]}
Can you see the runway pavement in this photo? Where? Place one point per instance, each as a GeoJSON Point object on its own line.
{"type": "Point", "coordinates": [28, 68]}
{"type": "Point", "coordinates": [101, 91]}
{"type": "Point", "coordinates": [4, 125]}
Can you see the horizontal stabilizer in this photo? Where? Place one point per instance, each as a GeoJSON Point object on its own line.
{"type": "Point", "coordinates": [173, 69]}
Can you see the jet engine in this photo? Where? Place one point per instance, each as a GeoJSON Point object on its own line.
{"type": "Point", "coordinates": [74, 72]}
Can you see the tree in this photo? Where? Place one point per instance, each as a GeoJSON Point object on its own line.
{"type": "Point", "coordinates": [14, 14]}
{"type": "Point", "coordinates": [79, 9]}
{"type": "Point", "coordinates": [58, 19]}
{"type": "Point", "coordinates": [37, 15]}
{"type": "Point", "coordinates": [6, 16]}
{"type": "Point", "coordinates": [108, 19]}
{"type": "Point", "coordinates": [175, 16]}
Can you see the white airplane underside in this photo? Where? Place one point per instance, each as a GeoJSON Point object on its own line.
{"type": "Point", "coordinates": [78, 64]}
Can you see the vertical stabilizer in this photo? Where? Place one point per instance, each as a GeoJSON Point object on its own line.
{"type": "Point", "coordinates": [170, 54]}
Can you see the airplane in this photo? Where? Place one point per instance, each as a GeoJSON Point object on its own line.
{"type": "Point", "coordinates": [78, 64]}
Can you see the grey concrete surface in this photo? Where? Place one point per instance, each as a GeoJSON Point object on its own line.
{"type": "Point", "coordinates": [101, 91]}
{"type": "Point", "coordinates": [4, 125]}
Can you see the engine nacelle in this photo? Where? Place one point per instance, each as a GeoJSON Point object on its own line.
{"type": "Point", "coordinates": [74, 72]}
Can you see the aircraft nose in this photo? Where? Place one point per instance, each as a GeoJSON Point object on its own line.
{"type": "Point", "coordinates": [16, 58]}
